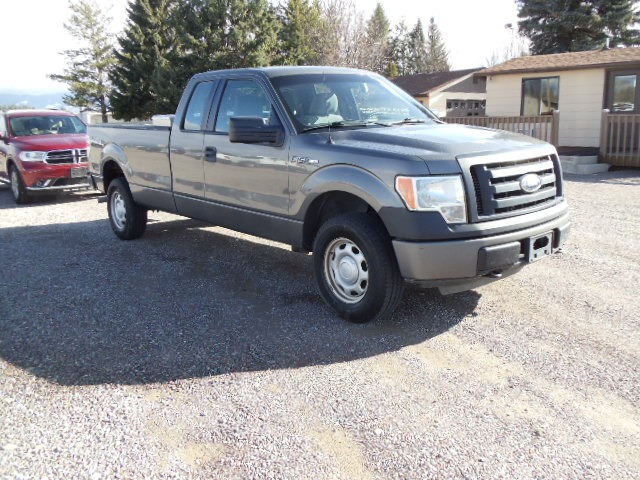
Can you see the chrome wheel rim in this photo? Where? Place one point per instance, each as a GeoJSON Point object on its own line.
{"type": "Point", "coordinates": [346, 270]}
{"type": "Point", "coordinates": [15, 187]}
{"type": "Point", "coordinates": [118, 210]}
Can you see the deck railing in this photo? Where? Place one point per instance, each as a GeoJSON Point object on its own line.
{"type": "Point", "coordinates": [543, 127]}
{"type": "Point", "coordinates": [620, 139]}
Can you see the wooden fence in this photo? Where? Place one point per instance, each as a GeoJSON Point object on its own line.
{"type": "Point", "coordinates": [543, 127]}
{"type": "Point", "coordinates": [620, 139]}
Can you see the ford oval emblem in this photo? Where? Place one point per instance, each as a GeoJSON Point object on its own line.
{"type": "Point", "coordinates": [530, 182]}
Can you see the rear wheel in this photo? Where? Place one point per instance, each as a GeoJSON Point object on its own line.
{"type": "Point", "coordinates": [355, 267]}
{"type": "Point", "coordinates": [18, 190]}
{"type": "Point", "coordinates": [128, 219]}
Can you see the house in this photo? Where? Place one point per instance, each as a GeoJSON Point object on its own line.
{"type": "Point", "coordinates": [580, 86]}
{"type": "Point", "coordinates": [449, 94]}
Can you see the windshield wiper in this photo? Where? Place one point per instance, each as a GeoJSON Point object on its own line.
{"type": "Point", "coordinates": [407, 121]}
{"type": "Point", "coordinates": [339, 124]}
{"type": "Point", "coordinates": [326, 125]}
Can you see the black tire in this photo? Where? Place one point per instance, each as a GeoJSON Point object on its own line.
{"type": "Point", "coordinates": [128, 219]}
{"type": "Point", "coordinates": [18, 189]}
{"type": "Point", "coordinates": [356, 269]}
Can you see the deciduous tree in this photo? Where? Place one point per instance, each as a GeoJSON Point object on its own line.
{"type": "Point", "coordinates": [343, 34]}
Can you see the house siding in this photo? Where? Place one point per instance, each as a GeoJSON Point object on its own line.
{"type": "Point", "coordinates": [580, 102]}
{"type": "Point", "coordinates": [469, 85]}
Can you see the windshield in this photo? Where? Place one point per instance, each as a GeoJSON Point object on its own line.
{"type": "Point", "coordinates": [46, 125]}
{"type": "Point", "coordinates": [333, 100]}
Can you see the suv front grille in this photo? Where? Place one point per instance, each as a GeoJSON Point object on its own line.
{"type": "Point", "coordinates": [67, 156]}
{"type": "Point", "coordinates": [497, 188]}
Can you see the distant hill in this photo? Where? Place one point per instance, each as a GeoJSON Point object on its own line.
{"type": "Point", "coordinates": [47, 100]}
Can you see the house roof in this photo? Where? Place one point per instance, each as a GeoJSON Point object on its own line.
{"type": "Point", "coordinates": [567, 61]}
{"type": "Point", "coordinates": [423, 83]}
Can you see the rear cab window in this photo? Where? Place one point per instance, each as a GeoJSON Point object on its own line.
{"type": "Point", "coordinates": [195, 117]}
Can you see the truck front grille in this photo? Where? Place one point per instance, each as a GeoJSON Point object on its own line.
{"type": "Point", "coordinates": [77, 155]}
{"type": "Point", "coordinates": [497, 186]}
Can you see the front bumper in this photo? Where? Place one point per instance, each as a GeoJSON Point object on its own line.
{"type": "Point", "coordinates": [43, 178]}
{"type": "Point", "coordinates": [60, 185]}
{"type": "Point", "coordinates": [457, 265]}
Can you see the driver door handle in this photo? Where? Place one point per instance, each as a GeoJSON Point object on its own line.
{"type": "Point", "coordinates": [210, 154]}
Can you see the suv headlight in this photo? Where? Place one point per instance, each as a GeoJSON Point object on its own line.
{"type": "Point", "coordinates": [33, 156]}
{"type": "Point", "coordinates": [444, 194]}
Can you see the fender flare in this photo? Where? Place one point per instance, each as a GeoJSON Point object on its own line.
{"type": "Point", "coordinates": [347, 179]}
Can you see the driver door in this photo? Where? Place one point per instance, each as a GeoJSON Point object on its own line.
{"type": "Point", "coordinates": [251, 176]}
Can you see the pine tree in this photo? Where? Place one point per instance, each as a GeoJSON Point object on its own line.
{"type": "Point", "coordinates": [557, 26]}
{"type": "Point", "coordinates": [437, 57]}
{"type": "Point", "coordinates": [144, 77]}
{"type": "Point", "coordinates": [297, 39]}
{"type": "Point", "coordinates": [249, 33]}
{"type": "Point", "coordinates": [418, 57]}
{"type": "Point", "coordinates": [377, 41]}
{"type": "Point", "coordinates": [400, 51]}
{"type": "Point", "coordinates": [89, 65]}
{"type": "Point", "coordinates": [198, 27]}
{"type": "Point", "coordinates": [616, 18]}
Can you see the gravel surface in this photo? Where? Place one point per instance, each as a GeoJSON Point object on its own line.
{"type": "Point", "coordinates": [195, 352]}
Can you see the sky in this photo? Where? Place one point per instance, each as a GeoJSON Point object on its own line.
{"type": "Point", "coordinates": [35, 36]}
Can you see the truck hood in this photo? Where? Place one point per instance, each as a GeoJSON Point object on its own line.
{"type": "Point", "coordinates": [435, 142]}
{"type": "Point", "coordinates": [51, 142]}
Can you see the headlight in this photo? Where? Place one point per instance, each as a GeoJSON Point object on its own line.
{"type": "Point", "coordinates": [33, 156]}
{"type": "Point", "coordinates": [442, 194]}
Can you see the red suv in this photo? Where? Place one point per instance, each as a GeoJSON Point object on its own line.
{"type": "Point", "coordinates": [42, 151]}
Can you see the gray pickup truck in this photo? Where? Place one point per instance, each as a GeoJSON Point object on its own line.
{"type": "Point", "coordinates": [341, 163]}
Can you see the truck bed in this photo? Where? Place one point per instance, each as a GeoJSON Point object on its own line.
{"type": "Point", "coordinates": [139, 145]}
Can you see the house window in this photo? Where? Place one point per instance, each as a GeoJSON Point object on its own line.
{"type": "Point", "coordinates": [622, 94]}
{"type": "Point", "coordinates": [465, 108]}
{"type": "Point", "coordinates": [539, 95]}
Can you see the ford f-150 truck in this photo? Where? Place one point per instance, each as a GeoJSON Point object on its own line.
{"type": "Point", "coordinates": [344, 164]}
{"type": "Point", "coordinates": [42, 151]}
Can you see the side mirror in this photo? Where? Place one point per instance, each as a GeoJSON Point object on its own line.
{"type": "Point", "coordinates": [253, 130]}
{"type": "Point", "coordinates": [3, 137]}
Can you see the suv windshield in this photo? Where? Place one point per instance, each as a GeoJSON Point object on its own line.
{"type": "Point", "coordinates": [345, 100]}
{"type": "Point", "coordinates": [46, 125]}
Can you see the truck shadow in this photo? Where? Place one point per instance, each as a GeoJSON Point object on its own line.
{"type": "Point", "coordinates": [184, 301]}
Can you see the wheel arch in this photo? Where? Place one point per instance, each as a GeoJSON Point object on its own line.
{"type": "Point", "coordinates": [342, 189]}
{"type": "Point", "coordinates": [11, 163]}
{"type": "Point", "coordinates": [113, 164]}
{"type": "Point", "coordinates": [110, 171]}
{"type": "Point", "coordinates": [329, 205]}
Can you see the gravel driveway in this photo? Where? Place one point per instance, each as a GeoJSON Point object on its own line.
{"type": "Point", "coordinates": [195, 352]}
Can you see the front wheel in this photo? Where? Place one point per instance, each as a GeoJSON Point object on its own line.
{"type": "Point", "coordinates": [355, 267]}
{"type": "Point", "coordinates": [18, 189]}
{"type": "Point", "coordinates": [128, 219]}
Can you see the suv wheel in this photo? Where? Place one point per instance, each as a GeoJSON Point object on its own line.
{"type": "Point", "coordinates": [18, 190]}
{"type": "Point", "coordinates": [355, 267]}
